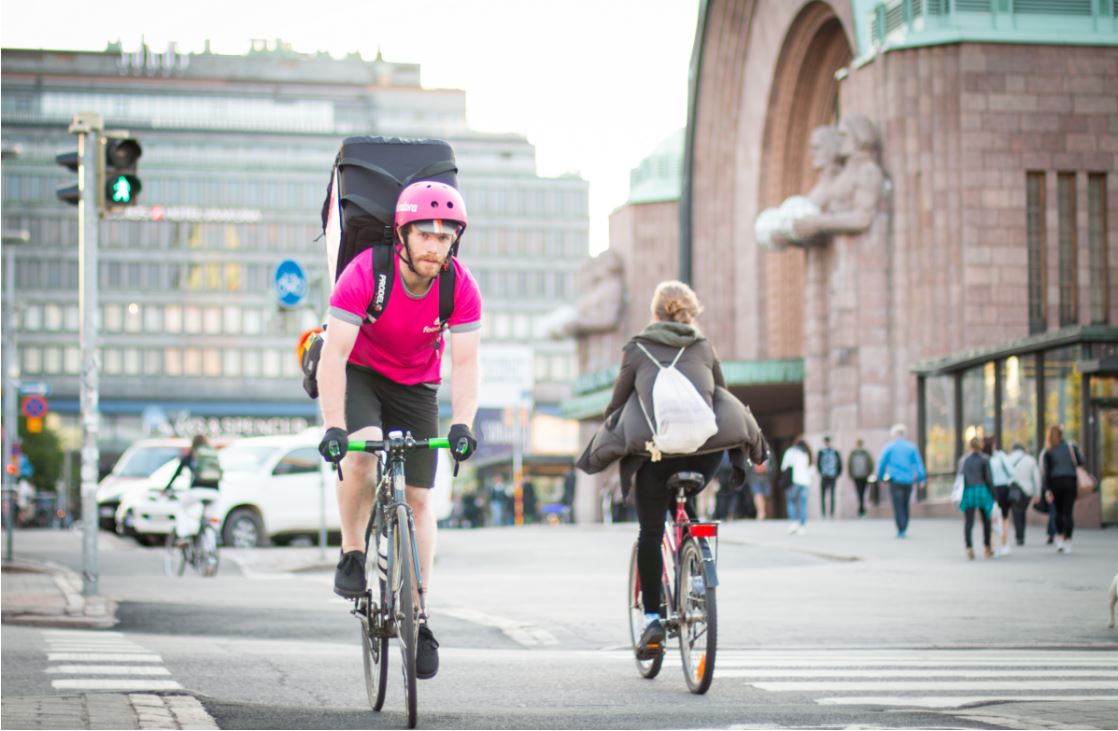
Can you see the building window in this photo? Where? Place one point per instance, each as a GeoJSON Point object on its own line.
{"type": "Point", "coordinates": [33, 318]}
{"type": "Point", "coordinates": [232, 317]}
{"type": "Point", "coordinates": [232, 365]}
{"type": "Point", "coordinates": [73, 361]}
{"type": "Point", "coordinates": [211, 362]}
{"type": "Point", "coordinates": [52, 360]}
{"type": "Point", "coordinates": [271, 365]}
{"type": "Point", "coordinates": [133, 318]}
{"type": "Point", "coordinates": [192, 362]}
{"type": "Point", "coordinates": [1097, 236]}
{"type": "Point", "coordinates": [132, 361]}
{"type": "Point", "coordinates": [52, 318]}
{"type": "Point", "coordinates": [73, 318]}
{"type": "Point", "coordinates": [153, 362]}
{"type": "Point", "coordinates": [32, 360]}
{"type": "Point", "coordinates": [978, 402]}
{"type": "Point", "coordinates": [252, 322]}
{"type": "Point", "coordinates": [173, 318]}
{"type": "Point", "coordinates": [251, 363]}
{"type": "Point", "coordinates": [1019, 402]}
{"type": "Point", "coordinates": [172, 361]}
{"type": "Point", "coordinates": [111, 361]}
{"type": "Point", "coordinates": [1063, 386]}
{"type": "Point", "coordinates": [153, 319]}
{"type": "Point", "coordinates": [1069, 261]}
{"type": "Point", "coordinates": [192, 320]}
{"type": "Point", "coordinates": [212, 320]}
{"type": "Point", "coordinates": [1036, 228]}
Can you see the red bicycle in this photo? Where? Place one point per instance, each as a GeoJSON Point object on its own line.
{"type": "Point", "coordinates": [687, 593]}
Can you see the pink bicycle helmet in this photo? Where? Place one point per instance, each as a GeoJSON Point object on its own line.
{"type": "Point", "coordinates": [431, 201]}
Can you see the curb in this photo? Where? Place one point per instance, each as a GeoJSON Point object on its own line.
{"type": "Point", "coordinates": [74, 609]}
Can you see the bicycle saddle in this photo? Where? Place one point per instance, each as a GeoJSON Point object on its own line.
{"type": "Point", "coordinates": [691, 482]}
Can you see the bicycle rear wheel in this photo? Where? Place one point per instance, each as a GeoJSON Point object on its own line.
{"type": "Point", "coordinates": [209, 557]}
{"type": "Point", "coordinates": [375, 648]}
{"type": "Point", "coordinates": [698, 619]}
{"type": "Point", "coordinates": [407, 627]}
{"type": "Point", "coordinates": [174, 557]}
{"type": "Point", "coordinates": [647, 668]}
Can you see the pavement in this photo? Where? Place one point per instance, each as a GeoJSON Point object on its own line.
{"type": "Point", "coordinates": [46, 594]}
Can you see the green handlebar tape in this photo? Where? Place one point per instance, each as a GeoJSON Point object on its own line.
{"type": "Point", "coordinates": [358, 445]}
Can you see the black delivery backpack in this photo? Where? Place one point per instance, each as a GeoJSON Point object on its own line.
{"type": "Point", "coordinates": [359, 211]}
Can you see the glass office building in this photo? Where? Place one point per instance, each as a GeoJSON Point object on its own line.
{"type": "Point", "coordinates": [237, 151]}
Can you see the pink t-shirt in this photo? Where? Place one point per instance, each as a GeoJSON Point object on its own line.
{"type": "Point", "coordinates": [404, 343]}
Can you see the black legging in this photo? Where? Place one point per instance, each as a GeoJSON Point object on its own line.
{"type": "Point", "coordinates": [653, 501]}
{"type": "Point", "coordinates": [968, 526]}
{"type": "Point", "coordinates": [1063, 501]}
{"type": "Point", "coordinates": [827, 485]}
{"type": "Point", "coordinates": [860, 486]}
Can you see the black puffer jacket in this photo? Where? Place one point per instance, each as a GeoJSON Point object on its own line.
{"type": "Point", "coordinates": [625, 431]}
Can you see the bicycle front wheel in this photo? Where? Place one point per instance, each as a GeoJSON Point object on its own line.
{"type": "Point", "coordinates": [698, 619]}
{"type": "Point", "coordinates": [408, 628]}
{"type": "Point", "coordinates": [209, 557]}
{"type": "Point", "coordinates": [647, 668]}
{"type": "Point", "coordinates": [375, 648]}
{"type": "Point", "coordinates": [174, 557]}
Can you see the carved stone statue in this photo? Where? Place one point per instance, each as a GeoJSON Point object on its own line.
{"type": "Point", "coordinates": [776, 227]}
{"type": "Point", "coordinates": [849, 199]}
{"type": "Point", "coordinates": [601, 301]}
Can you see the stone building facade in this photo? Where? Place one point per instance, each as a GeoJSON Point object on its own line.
{"type": "Point", "coordinates": [983, 296]}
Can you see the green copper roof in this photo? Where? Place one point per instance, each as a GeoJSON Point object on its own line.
{"type": "Point", "coordinates": [885, 25]}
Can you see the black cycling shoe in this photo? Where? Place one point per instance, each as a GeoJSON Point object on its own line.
{"type": "Point", "coordinates": [349, 579]}
{"type": "Point", "coordinates": [652, 641]}
{"type": "Point", "coordinates": [426, 654]}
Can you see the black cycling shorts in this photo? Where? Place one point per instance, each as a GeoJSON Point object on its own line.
{"type": "Point", "coordinates": [374, 400]}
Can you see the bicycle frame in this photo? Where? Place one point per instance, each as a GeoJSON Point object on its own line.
{"type": "Point", "coordinates": [674, 529]}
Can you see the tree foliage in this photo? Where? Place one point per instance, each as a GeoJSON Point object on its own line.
{"type": "Point", "coordinates": [44, 451]}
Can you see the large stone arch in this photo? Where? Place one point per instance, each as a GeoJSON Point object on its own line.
{"type": "Point", "coordinates": [764, 78]}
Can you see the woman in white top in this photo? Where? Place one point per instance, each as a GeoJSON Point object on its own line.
{"type": "Point", "coordinates": [798, 459]}
{"type": "Point", "coordinates": [1024, 488]}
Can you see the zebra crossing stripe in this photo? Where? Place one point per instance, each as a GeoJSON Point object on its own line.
{"type": "Point", "coordinates": [101, 657]}
{"type": "Point", "coordinates": [839, 686]}
{"type": "Point", "coordinates": [940, 673]}
{"type": "Point", "coordinates": [959, 701]}
{"type": "Point", "coordinates": [108, 670]}
{"type": "Point", "coordinates": [114, 684]}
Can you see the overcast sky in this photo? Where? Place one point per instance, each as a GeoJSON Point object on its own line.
{"type": "Point", "coordinates": [595, 85]}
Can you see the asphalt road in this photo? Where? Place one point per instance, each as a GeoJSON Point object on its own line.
{"type": "Point", "coordinates": [845, 626]}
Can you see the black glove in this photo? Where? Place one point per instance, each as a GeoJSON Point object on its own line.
{"type": "Point", "coordinates": [334, 444]}
{"type": "Point", "coordinates": [462, 442]}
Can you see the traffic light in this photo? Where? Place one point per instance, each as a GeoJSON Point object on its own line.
{"type": "Point", "coordinates": [71, 194]}
{"type": "Point", "coordinates": [118, 180]}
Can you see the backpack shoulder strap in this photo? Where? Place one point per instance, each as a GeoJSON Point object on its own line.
{"type": "Point", "coordinates": [650, 356]}
{"type": "Point", "coordinates": [447, 281]}
{"type": "Point", "coordinates": [384, 275]}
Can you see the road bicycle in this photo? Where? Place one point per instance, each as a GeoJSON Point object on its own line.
{"type": "Point", "coordinates": [687, 589]}
{"type": "Point", "coordinates": [393, 604]}
{"type": "Point", "coordinates": [200, 550]}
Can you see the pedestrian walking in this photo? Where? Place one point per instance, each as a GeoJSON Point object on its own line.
{"type": "Point", "coordinates": [901, 465]}
{"type": "Point", "coordinates": [1023, 489]}
{"type": "Point", "coordinates": [975, 470]}
{"type": "Point", "coordinates": [860, 467]}
{"type": "Point", "coordinates": [830, 468]}
{"type": "Point", "coordinates": [1060, 461]}
{"type": "Point", "coordinates": [760, 488]}
{"type": "Point", "coordinates": [797, 458]}
{"type": "Point", "coordinates": [1002, 475]}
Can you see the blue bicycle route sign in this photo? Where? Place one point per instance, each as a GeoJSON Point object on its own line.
{"type": "Point", "coordinates": [291, 283]}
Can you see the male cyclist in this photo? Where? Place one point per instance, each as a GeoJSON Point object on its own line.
{"type": "Point", "coordinates": [378, 375]}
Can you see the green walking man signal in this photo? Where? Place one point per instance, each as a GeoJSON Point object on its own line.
{"type": "Point", "coordinates": [118, 182]}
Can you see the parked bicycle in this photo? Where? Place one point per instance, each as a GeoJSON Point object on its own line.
{"type": "Point", "coordinates": [394, 604]}
{"type": "Point", "coordinates": [688, 583]}
{"type": "Point", "coordinates": [200, 550]}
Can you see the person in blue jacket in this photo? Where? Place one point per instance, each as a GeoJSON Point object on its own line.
{"type": "Point", "coordinates": [901, 465]}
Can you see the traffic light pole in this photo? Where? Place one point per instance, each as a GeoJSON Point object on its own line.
{"type": "Point", "coordinates": [88, 129]}
{"type": "Point", "coordinates": [11, 423]}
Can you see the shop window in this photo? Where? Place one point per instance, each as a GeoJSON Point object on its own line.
{"type": "Point", "coordinates": [1098, 295]}
{"type": "Point", "coordinates": [939, 424]}
{"type": "Point", "coordinates": [978, 402]}
{"type": "Point", "coordinates": [1063, 386]}
{"type": "Point", "coordinates": [1036, 233]}
{"type": "Point", "coordinates": [1019, 402]}
{"type": "Point", "coordinates": [1069, 258]}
